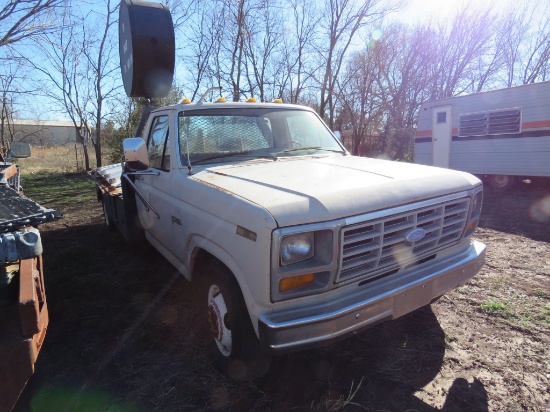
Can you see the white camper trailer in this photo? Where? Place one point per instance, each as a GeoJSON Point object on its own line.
{"type": "Point", "coordinates": [501, 135]}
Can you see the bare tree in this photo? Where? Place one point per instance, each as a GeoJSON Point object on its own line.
{"type": "Point", "coordinates": [14, 88]}
{"type": "Point", "coordinates": [297, 50]}
{"type": "Point", "coordinates": [203, 40]}
{"type": "Point", "coordinates": [461, 43]}
{"type": "Point", "coordinates": [514, 29]}
{"type": "Point", "coordinates": [21, 19]}
{"type": "Point", "coordinates": [406, 55]}
{"type": "Point", "coordinates": [263, 40]}
{"type": "Point", "coordinates": [236, 13]}
{"type": "Point", "coordinates": [343, 19]}
{"type": "Point", "coordinates": [101, 56]}
{"type": "Point", "coordinates": [536, 65]}
{"type": "Point", "coordinates": [361, 100]}
{"type": "Point", "coordinates": [61, 66]}
{"type": "Point", "coordinates": [6, 81]}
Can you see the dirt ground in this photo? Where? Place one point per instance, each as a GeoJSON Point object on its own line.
{"type": "Point", "coordinates": [123, 333]}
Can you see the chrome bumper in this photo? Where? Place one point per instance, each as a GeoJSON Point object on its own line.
{"type": "Point", "coordinates": [368, 304]}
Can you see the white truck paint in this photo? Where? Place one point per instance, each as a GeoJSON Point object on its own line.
{"type": "Point", "coordinates": [502, 135]}
{"type": "Point", "coordinates": [319, 243]}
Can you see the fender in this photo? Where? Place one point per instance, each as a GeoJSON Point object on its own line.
{"type": "Point", "coordinates": [198, 242]}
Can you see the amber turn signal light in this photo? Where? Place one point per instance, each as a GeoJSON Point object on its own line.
{"type": "Point", "coordinates": [293, 282]}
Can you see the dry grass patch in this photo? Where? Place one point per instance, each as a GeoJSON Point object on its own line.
{"type": "Point", "coordinates": [57, 159]}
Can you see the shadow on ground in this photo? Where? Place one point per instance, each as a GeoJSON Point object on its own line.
{"type": "Point", "coordinates": [524, 210]}
{"type": "Point", "coordinates": [123, 336]}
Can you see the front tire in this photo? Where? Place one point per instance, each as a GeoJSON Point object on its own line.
{"type": "Point", "coordinates": [232, 337]}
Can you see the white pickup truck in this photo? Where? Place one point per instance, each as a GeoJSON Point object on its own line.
{"type": "Point", "coordinates": [296, 242]}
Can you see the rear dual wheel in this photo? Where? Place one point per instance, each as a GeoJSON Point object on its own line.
{"type": "Point", "coordinates": [232, 338]}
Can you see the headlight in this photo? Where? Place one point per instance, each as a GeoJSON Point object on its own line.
{"type": "Point", "coordinates": [296, 248]}
{"type": "Point", "coordinates": [476, 205]}
{"type": "Point", "coordinates": [475, 212]}
{"type": "Point", "coordinates": [303, 260]}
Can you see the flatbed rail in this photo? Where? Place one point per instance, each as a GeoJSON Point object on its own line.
{"type": "Point", "coordinates": [17, 210]}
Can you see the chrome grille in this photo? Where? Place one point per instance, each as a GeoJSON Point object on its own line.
{"type": "Point", "coordinates": [378, 246]}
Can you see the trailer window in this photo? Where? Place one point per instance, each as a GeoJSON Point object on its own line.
{"type": "Point", "coordinates": [441, 117]}
{"type": "Point", "coordinates": [490, 123]}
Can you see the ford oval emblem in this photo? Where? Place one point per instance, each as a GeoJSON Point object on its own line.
{"type": "Point", "coordinates": [415, 235]}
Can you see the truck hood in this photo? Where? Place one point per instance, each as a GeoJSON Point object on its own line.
{"type": "Point", "coordinates": [315, 189]}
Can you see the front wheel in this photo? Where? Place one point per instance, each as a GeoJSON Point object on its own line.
{"type": "Point", "coordinates": [233, 339]}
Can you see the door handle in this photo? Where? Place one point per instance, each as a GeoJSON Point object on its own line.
{"type": "Point", "coordinates": [140, 196]}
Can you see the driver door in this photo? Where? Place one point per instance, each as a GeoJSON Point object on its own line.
{"type": "Point", "coordinates": [156, 187]}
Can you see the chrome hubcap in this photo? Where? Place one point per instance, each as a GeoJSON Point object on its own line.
{"type": "Point", "coordinates": [217, 316]}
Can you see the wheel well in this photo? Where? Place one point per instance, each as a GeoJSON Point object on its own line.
{"type": "Point", "coordinates": [199, 258]}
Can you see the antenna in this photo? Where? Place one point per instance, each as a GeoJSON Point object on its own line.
{"type": "Point", "coordinates": [212, 89]}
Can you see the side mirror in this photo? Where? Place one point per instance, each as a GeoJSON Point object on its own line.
{"type": "Point", "coordinates": [20, 150]}
{"type": "Point", "coordinates": [135, 154]}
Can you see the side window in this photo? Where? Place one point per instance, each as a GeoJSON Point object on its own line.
{"type": "Point", "coordinates": [157, 144]}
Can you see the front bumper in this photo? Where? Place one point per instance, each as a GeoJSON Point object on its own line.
{"type": "Point", "coordinates": [368, 305]}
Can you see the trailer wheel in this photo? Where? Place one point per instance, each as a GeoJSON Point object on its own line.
{"type": "Point", "coordinates": [501, 182]}
{"type": "Point", "coordinates": [232, 338]}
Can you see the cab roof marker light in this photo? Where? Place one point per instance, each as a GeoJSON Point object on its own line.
{"type": "Point", "coordinates": [185, 100]}
{"type": "Point", "coordinates": [277, 101]}
{"type": "Point", "coordinates": [251, 100]}
{"type": "Point", "coordinates": [220, 100]}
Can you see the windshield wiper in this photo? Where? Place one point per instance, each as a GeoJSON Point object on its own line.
{"type": "Point", "coordinates": [242, 154]}
{"type": "Point", "coordinates": [296, 149]}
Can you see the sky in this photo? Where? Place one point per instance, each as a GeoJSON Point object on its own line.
{"type": "Point", "coordinates": [417, 10]}
{"type": "Point", "coordinates": [414, 11]}
{"type": "Point", "coordinates": [420, 10]}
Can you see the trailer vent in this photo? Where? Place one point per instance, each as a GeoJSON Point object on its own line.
{"type": "Point", "coordinates": [380, 245]}
{"type": "Point", "coordinates": [490, 123]}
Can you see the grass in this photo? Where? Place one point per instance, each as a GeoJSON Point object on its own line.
{"type": "Point", "coordinates": [328, 404]}
{"type": "Point", "coordinates": [516, 307]}
{"type": "Point", "coordinates": [58, 159]}
{"type": "Point", "coordinates": [58, 190]}
{"type": "Point", "coordinates": [493, 307]}
{"type": "Point", "coordinates": [541, 293]}
{"type": "Point", "coordinates": [55, 176]}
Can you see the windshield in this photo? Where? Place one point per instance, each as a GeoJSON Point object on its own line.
{"type": "Point", "coordinates": [234, 134]}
